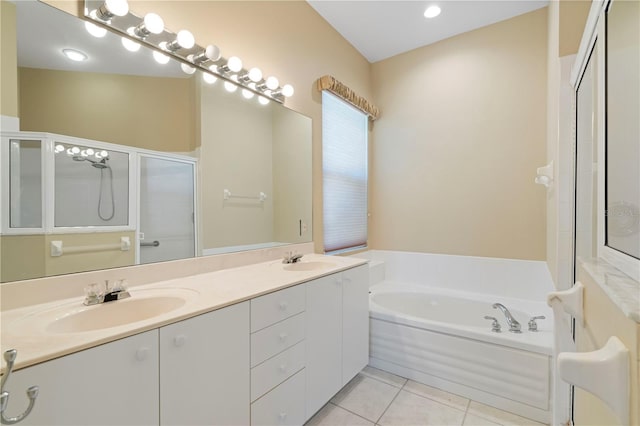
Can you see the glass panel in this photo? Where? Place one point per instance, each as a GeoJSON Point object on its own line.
{"type": "Point", "coordinates": [623, 128]}
{"type": "Point", "coordinates": [25, 184]}
{"type": "Point", "coordinates": [91, 186]}
{"type": "Point", "coordinates": [166, 210]}
{"type": "Point", "coordinates": [586, 165]}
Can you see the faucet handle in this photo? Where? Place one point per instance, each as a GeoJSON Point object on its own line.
{"type": "Point", "coordinates": [533, 325]}
{"type": "Point", "coordinates": [495, 325]}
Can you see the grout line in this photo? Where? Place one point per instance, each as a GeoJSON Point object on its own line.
{"type": "Point", "coordinates": [392, 401]}
{"type": "Point", "coordinates": [349, 411]}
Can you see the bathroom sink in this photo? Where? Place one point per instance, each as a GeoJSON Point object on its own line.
{"type": "Point", "coordinates": [308, 266]}
{"type": "Point", "coordinates": [76, 318]}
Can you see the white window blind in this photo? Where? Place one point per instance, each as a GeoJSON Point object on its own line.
{"type": "Point", "coordinates": [344, 174]}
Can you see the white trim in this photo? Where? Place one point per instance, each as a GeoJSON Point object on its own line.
{"type": "Point", "coordinates": [9, 124]}
{"type": "Point", "coordinates": [588, 39]}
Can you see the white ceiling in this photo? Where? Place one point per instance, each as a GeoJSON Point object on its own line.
{"type": "Point", "coordinates": [382, 29]}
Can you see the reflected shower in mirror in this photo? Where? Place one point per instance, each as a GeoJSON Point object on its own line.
{"type": "Point", "coordinates": [239, 146]}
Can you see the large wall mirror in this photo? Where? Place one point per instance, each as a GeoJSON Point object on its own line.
{"type": "Point", "coordinates": [238, 169]}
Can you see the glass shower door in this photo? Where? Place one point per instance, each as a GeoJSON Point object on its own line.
{"type": "Point", "coordinates": [167, 209]}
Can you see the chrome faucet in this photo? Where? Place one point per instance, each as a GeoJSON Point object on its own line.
{"type": "Point", "coordinates": [291, 257]}
{"type": "Point", "coordinates": [514, 326]}
{"type": "Point", "coordinates": [96, 295]}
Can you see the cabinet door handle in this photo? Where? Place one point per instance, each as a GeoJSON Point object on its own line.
{"type": "Point", "coordinates": [283, 306]}
{"type": "Point", "coordinates": [179, 340]}
{"type": "Point", "coordinates": [142, 353]}
{"type": "Point", "coordinates": [346, 279]}
{"type": "Point", "coordinates": [283, 337]}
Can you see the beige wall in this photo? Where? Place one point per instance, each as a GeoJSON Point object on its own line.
{"type": "Point", "coordinates": [604, 319]}
{"type": "Point", "coordinates": [8, 64]}
{"type": "Point", "coordinates": [456, 149]}
{"type": "Point", "coordinates": [287, 39]}
{"type": "Point", "coordinates": [572, 16]}
{"type": "Point", "coordinates": [28, 256]}
{"type": "Point", "coordinates": [64, 102]}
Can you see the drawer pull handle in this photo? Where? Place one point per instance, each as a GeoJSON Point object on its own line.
{"type": "Point", "coordinates": [283, 306]}
{"type": "Point", "coordinates": [283, 368]}
{"type": "Point", "coordinates": [142, 353]}
{"type": "Point", "coordinates": [283, 416]}
{"type": "Point", "coordinates": [283, 337]}
{"type": "Point", "coordinates": [179, 340]}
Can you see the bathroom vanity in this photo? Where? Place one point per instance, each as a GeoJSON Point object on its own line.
{"type": "Point", "coordinates": [260, 344]}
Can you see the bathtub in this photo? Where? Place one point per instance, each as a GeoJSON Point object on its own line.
{"type": "Point", "coordinates": [427, 324]}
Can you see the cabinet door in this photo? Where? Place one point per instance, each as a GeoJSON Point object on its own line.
{"type": "Point", "coordinates": [355, 321]}
{"type": "Point", "coordinates": [204, 369]}
{"type": "Point", "coordinates": [324, 341]}
{"type": "Point", "coordinates": [112, 384]}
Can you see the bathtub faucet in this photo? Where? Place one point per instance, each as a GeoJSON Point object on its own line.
{"type": "Point", "coordinates": [514, 326]}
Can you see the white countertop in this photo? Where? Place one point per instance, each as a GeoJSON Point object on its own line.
{"type": "Point", "coordinates": [207, 292]}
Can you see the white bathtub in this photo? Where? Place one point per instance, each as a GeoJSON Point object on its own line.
{"type": "Point", "coordinates": [428, 324]}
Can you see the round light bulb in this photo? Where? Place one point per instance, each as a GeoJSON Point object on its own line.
{"type": "Point", "coordinates": [75, 55]}
{"type": "Point", "coordinates": [98, 155]}
{"type": "Point", "coordinates": [59, 148]}
{"type": "Point", "coordinates": [247, 94]}
{"type": "Point", "coordinates": [272, 83]}
{"type": "Point", "coordinates": [90, 151]}
{"type": "Point", "coordinates": [104, 153]}
{"type": "Point", "coordinates": [234, 64]}
{"type": "Point", "coordinates": [185, 39]}
{"type": "Point", "coordinates": [75, 150]}
{"type": "Point", "coordinates": [432, 11]}
{"type": "Point", "coordinates": [214, 68]}
{"type": "Point", "coordinates": [255, 74]}
{"type": "Point", "coordinates": [117, 7]}
{"type": "Point", "coordinates": [153, 23]}
{"type": "Point", "coordinates": [160, 58]}
{"type": "Point", "coordinates": [287, 90]}
{"type": "Point", "coordinates": [263, 100]}
{"type": "Point", "coordinates": [212, 52]}
{"type": "Point", "coordinates": [187, 69]}
{"type": "Point", "coordinates": [69, 152]}
{"type": "Point", "coordinates": [95, 30]}
{"type": "Point", "coordinates": [130, 45]}
{"type": "Point", "coordinates": [208, 78]}
{"type": "Point", "coordinates": [230, 87]}
{"type": "Point", "coordinates": [84, 153]}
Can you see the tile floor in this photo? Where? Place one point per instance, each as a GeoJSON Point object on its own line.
{"type": "Point", "coordinates": [375, 397]}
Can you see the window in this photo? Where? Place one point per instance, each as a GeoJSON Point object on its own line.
{"type": "Point", "coordinates": [345, 177]}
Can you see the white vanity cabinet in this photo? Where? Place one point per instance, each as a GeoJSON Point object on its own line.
{"type": "Point", "coordinates": [112, 384]}
{"type": "Point", "coordinates": [204, 369]}
{"type": "Point", "coordinates": [337, 317]}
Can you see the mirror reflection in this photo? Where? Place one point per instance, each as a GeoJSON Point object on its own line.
{"type": "Point", "coordinates": [191, 168]}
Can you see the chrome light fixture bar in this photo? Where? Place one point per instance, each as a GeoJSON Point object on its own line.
{"type": "Point", "coordinates": [150, 30]}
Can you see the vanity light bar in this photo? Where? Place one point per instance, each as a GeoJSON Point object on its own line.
{"type": "Point", "coordinates": [182, 46]}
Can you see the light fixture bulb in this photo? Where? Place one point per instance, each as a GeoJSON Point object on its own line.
{"type": "Point", "coordinates": [90, 151]}
{"type": "Point", "coordinates": [234, 64]}
{"type": "Point", "coordinates": [209, 78]}
{"type": "Point", "coordinates": [84, 153]}
{"type": "Point", "coordinates": [287, 90]}
{"type": "Point", "coordinates": [184, 40]}
{"type": "Point", "coordinates": [111, 8]}
{"type": "Point", "coordinates": [187, 69]}
{"type": "Point", "coordinates": [230, 87]}
{"type": "Point", "coordinates": [151, 24]}
{"type": "Point", "coordinates": [104, 154]}
{"type": "Point", "coordinates": [98, 155]}
{"type": "Point", "coordinates": [255, 74]}
{"type": "Point", "coordinates": [209, 53]}
{"type": "Point", "coordinates": [160, 58]}
{"type": "Point", "coordinates": [247, 94]}
{"type": "Point", "coordinates": [432, 11]}
{"type": "Point", "coordinates": [75, 55]}
{"type": "Point", "coordinates": [272, 83]}
{"type": "Point", "coordinates": [263, 100]}
{"type": "Point", "coordinates": [59, 148]}
{"type": "Point", "coordinates": [130, 45]}
{"type": "Point", "coordinates": [69, 152]}
{"type": "Point", "coordinates": [75, 150]}
{"type": "Point", "coordinates": [95, 30]}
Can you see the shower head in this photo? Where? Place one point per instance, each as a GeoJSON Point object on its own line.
{"type": "Point", "coordinates": [102, 164]}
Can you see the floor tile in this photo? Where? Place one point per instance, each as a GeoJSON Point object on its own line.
{"type": "Point", "coordinates": [499, 416]}
{"type": "Point", "coordinates": [384, 376]}
{"type": "Point", "coordinates": [441, 396]}
{"type": "Point", "coordinates": [332, 415]}
{"type": "Point", "coordinates": [409, 409]}
{"type": "Point", "coordinates": [366, 397]}
{"type": "Point", "coordinates": [471, 420]}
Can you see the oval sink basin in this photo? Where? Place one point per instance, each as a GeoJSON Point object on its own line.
{"type": "Point", "coordinates": [77, 318]}
{"type": "Point", "coordinates": [308, 266]}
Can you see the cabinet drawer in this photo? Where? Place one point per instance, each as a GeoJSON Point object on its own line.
{"type": "Point", "coordinates": [274, 307]}
{"type": "Point", "coordinates": [276, 370]}
{"type": "Point", "coordinates": [282, 406]}
{"type": "Point", "coordinates": [276, 338]}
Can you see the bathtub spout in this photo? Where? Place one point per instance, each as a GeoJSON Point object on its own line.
{"type": "Point", "coordinates": [514, 326]}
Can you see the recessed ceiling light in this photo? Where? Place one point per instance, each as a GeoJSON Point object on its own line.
{"type": "Point", "coordinates": [432, 12]}
{"type": "Point", "coordinates": [75, 55]}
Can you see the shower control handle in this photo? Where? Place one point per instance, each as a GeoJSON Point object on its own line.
{"type": "Point", "coordinates": [533, 325]}
{"type": "Point", "coordinates": [495, 325]}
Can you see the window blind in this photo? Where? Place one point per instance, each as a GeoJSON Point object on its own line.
{"type": "Point", "coordinates": [344, 174]}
